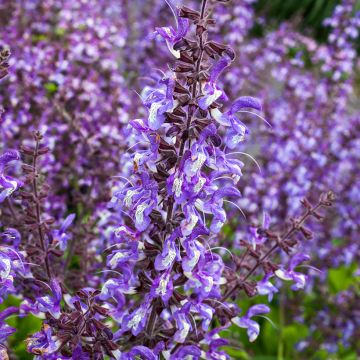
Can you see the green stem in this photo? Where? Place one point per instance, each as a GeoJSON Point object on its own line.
{"type": "Point", "coordinates": [280, 351]}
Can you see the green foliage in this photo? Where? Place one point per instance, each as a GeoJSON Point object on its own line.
{"type": "Point", "coordinates": [342, 278]}
{"type": "Point", "coordinates": [51, 88]}
{"type": "Point", "coordinates": [24, 327]}
{"type": "Point", "coordinates": [309, 14]}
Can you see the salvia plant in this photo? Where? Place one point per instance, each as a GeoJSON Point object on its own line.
{"type": "Point", "coordinates": [158, 284]}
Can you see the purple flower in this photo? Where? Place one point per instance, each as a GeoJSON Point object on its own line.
{"type": "Point", "coordinates": [11, 237]}
{"type": "Point", "coordinates": [194, 251]}
{"type": "Point", "coordinates": [186, 352]}
{"type": "Point", "coordinates": [140, 199]}
{"type": "Point", "coordinates": [183, 326]}
{"type": "Point", "coordinates": [291, 275]}
{"type": "Point", "coordinates": [125, 234]}
{"type": "Point", "coordinates": [159, 102]}
{"type": "Point", "coordinates": [9, 184]}
{"type": "Point", "coordinates": [253, 328]}
{"type": "Point", "coordinates": [6, 330]}
{"type": "Point", "coordinates": [136, 320]}
{"type": "Point", "coordinates": [211, 91]}
{"type": "Point", "coordinates": [51, 303]}
{"type": "Point", "coordinates": [169, 254]}
{"type": "Point", "coordinates": [125, 284]}
{"type": "Point", "coordinates": [141, 351]}
{"type": "Point", "coordinates": [163, 286]}
{"type": "Point", "coordinates": [61, 235]}
{"type": "Point", "coordinates": [214, 205]}
{"type": "Point", "coordinates": [237, 130]}
{"type": "Point", "coordinates": [121, 256]}
{"type": "Point", "coordinates": [43, 342]}
{"type": "Point", "coordinates": [265, 287]}
{"type": "Point", "coordinates": [172, 36]}
{"type": "Point", "coordinates": [11, 265]}
{"type": "Point", "coordinates": [6, 276]}
{"type": "Point", "coordinates": [214, 341]}
{"type": "Point", "coordinates": [256, 237]}
{"type": "Point", "coordinates": [191, 220]}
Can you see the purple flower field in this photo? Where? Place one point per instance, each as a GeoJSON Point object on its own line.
{"type": "Point", "coordinates": [179, 179]}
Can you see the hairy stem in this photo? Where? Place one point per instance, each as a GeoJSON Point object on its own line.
{"type": "Point", "coordinates": [38, 211]}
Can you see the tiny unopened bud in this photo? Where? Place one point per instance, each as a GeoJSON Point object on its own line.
{"type": "Point", "coordinates": [306, 203]}
{"type": "Point", "coordinates": [249, 288]}
{"type": "Point", "coordinates": [28, 150]}
{"type": "Point", "coordinates": [306, 232]}
{"type": "Point", "coordinates": [188, 13]}
{"type": "Point", "coordinates": [43, 150]}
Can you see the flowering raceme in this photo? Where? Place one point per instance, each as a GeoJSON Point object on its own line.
{"type": "Point", "coordinates": [172, 206]}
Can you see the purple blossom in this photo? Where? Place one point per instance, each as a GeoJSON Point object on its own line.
{"type": "Point", "coordinates": [142, 351]}
{"type": "Point", "coordinates": [255, 236]}
{"type": "Point", "coordinates": [51, 303]}
{"type": "Point", "coordinates": [170, 253]}
{"type": "Point", "coordinates": [172, 36]}
{"type": "Point", "coordinates": [159, 102]}
{"type": "Point", "coordinates": [265, 287]}
{"type": "Point", "coordinates": [43, 342]}
{"type": "Point", "coordinates": [183, 326]}
{"type": "Point", "coordinates": [253, 328]}
{"type": "Point", "coordinates": [163, 286]}
{"type": "Point", "coordinates": [291, 275]}
{"type": "Point", "coordinates": [61, 235]}
{"type": "Point", "coordinates": [185, 351]}
{"type": "Point", "coordinates": [8, 183]}
{"type": "Point", "coordinates": [6, 330]}
{"type": "Point", "coordinates": [11, 264]}
{"type": "Point", "coordinates": [136, 320]}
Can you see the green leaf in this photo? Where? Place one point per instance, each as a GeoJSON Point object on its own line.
{"type": "Point", "coordinates": [60, 32]}
{"type": "Point", "coordinates": [38, 38]}
{"type": "Point", "coordinates": [236, 353]}
{"type": "Point", "coordinates": [292, 334]}
{"type": "Point", "coordinates": [341, 278]}
{"type": "Point", "coordinates": [51, 87]}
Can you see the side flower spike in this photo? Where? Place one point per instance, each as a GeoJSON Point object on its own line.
{"type": "Point", "coordinates": [253, 328]}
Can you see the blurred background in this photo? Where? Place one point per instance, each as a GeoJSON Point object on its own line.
{"type": "Point", "coordinates": [76, 69]}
